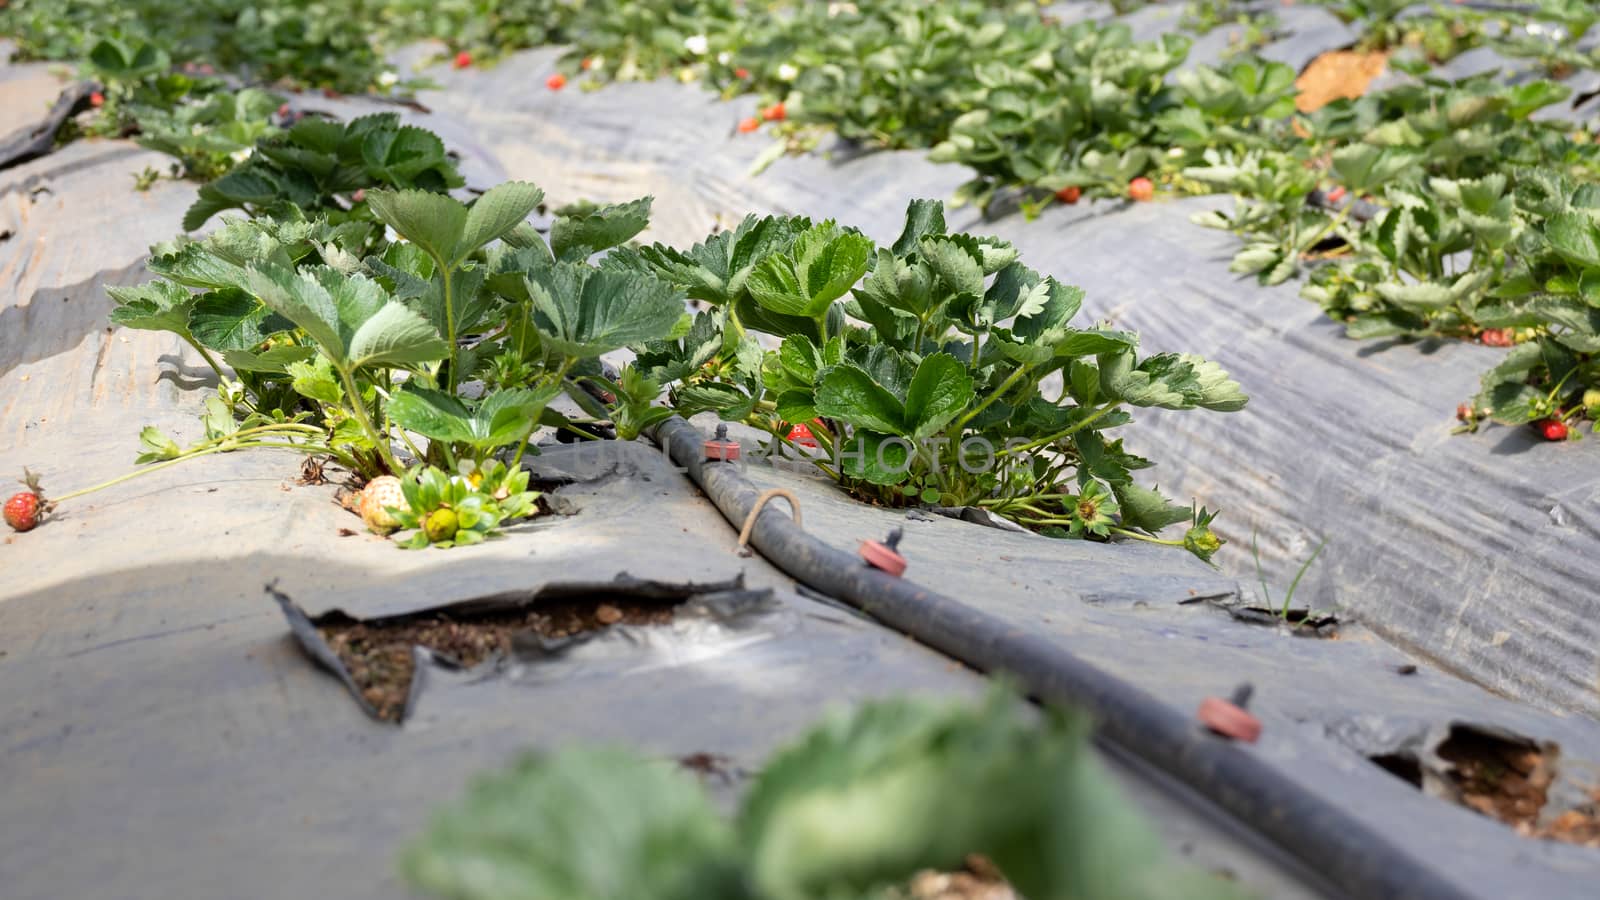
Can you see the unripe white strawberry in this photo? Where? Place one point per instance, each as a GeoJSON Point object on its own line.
{"type": "Point", "coordinates": [381, 492]}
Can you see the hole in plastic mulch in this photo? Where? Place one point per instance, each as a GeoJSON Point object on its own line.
{"type": "Point", "coordinates": [1503, 776]}
{"type": "Point", "coordinates": [377, 658]}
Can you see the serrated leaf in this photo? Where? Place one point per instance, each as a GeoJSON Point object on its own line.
{"type": "Point", "coordinates": [848, 393]}
{"type": "Point", "coordinates": [796, 406]}
{"type": "Point", "coordinates": [1147, 509]}
{"type": "Point", "coordinates": [584, 312]}
{"type": "Point", "coordinates": [396, 336]}
{"type": "Point", "coordinates": [500, 209]}
{"type": "Point", "coordinates": [1169, 381]}
{"type": "Point", "coordinates": [435, 222]}
{"type": "Point", "coordinates": [824, 263]}
{"type": "Point", "coordinates": [875, 458]}
{"type": "Point", "coordinates": [727, 401]}
{"type": "Point", "coordinates": [155, 446]}
{"type": "Point", "coordinates": [957, 261]}
{"type": "Point", "coordinates": [233, 320]}
{"type": "Point", "coordinates": [317, 380]}
{"type": "Point", "coordinates": [350, 317]}
{"type": "Point", "coordinates": [153, 306]}
{"type": "Point", "coordinates": [941, 390]}
{"type": "Point", "coordinates": [579, 825]}
{"type": "Point", "coordinates": [579, 236]}
{"type": "Point", "coordinates": [273, 359]}
{"type": "Point", "coordinates": [923, 218]}
{"type": "Point", "coordinates": [1576, 236]}
{"type": "Point", "coordinates": [301, 299]}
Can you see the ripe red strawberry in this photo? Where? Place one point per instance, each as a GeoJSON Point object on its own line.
{"type": "Point", "coordinates": [463, 59]}
{"type": "Point", "coordinates": [1550, 429]}
{"type": "Point", "coordinates": [283, 110]}
{"type": "Point", "coordinates": [22, 510]}
{"type": "Point", "coordinates": [586, 63]}
{"type": "Point", "coordinates": [1337, 194]}
{"type": "Point", "coordinates": [1497, 337]}
{"type": "Point", "coordinates": [556, 82]}
{"type": "Point", "coordinates": [1141, 189]}
{"type": "Point", "coordinates": [741, 73]}
{"type": "Point", "coordinates": [1464, 412]}
{"type": "Point", "coordinates": [801, 434]}
{"type": "Point", "coordinates": [1069, 194]}
{"type": "Point", "coordinates": [748, 125]}
{"type": "Point", "coordinates": [97, 99]}
{"type": "Point", "coordinates": [774, 113]}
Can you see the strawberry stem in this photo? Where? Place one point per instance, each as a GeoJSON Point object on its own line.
{"type": "Point", "coordinates": [358, 406]}
{"type": "Point", "coordinates": [1145, 537]}
{"type": "Point", "coordinates": [193, 454]}
{"type": "Point", "coordinates": [1065, 432]}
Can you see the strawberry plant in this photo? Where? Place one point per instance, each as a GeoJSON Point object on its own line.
{"type": "Point", "coordinates": [925, 386]}
{"type": "Point", "coordinates": [648, 39]}
{"type": "Point", "coordinates": [1087, 117]}
{"type": "Point", "coordinates": [854, 808]}
{"type": "Point", "coordinates": [482, 29]}
{"type": "Point", "coordinates": [1550, 294]}
{"type": "Point", "coordinates": [321, 167]}
{"type": "Point", "coordinates": [1554, 32]}
{"type": "Point", "coordinates": [295, 43]}
{"type": "Point", "coordinates": [1259, 27]}
{"type": "Point", "coordinates": [379, 326]}
{"type": "Point", "coordinates": [211, 135]}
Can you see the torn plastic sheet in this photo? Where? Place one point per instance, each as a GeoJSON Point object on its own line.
{"type": "Point", "coordinates": [706, 620]}
{"type": "Point", "coordinates": [39, 139]}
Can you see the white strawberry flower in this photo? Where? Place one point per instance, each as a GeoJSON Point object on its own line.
{"type": "Point", "coordinates": [696, 44]}
{"type": "Point", "coordinates": [240, 156]}
{"type": "Point", "coordinates": [787, 72]}
{"type": "Point", "coordinates": [724, 58]}
{"type": "Point", "coordinates": [388, 79]}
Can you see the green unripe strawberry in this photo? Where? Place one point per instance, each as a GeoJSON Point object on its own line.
{"type": "Point", "coordinates": [1202, 541]}
{"type": "Point", "coordinates": [441, 525]}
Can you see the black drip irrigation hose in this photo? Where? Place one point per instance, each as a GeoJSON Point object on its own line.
{"type": "Point", "coordinates": [1316, 833]}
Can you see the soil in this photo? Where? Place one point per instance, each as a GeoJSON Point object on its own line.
{"type": "Point", "coordinates": [378, 655]}
{"type": "Point", "coordinates": [1576, 826]}
{"type": "Point", "coordinates": [1499, 778]}
{"type": "Point", "coordinates": [1337, 75]}
{"type": "Point", "coordinates": [1509, 782]}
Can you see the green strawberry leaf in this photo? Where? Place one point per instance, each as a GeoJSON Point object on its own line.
{"type": "Point", "coordinates": [579, 825]}
{"type": "Point", "coordinates": [580, 235]}
{"type": "Point", "coordinates": [584, 312]}
{"type": "Point", "coordinates": [941, 390]}
{"type": "Point", "coordinates": [848, 393]}
{"type": "Point", "coordinates": [153, 306]}
{"type": "Point", "coordinates": [824, 263]}
{"type": "Point", "coordinates": [233, 320]}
